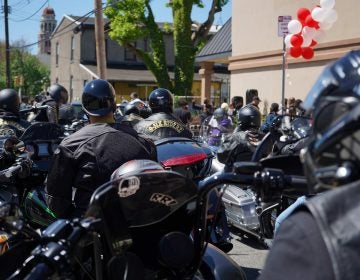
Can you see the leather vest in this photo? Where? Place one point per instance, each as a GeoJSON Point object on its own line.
{"type": "Point", "coordinates": [337, 213]}
{"type": "Point", "coordinates": [163, 125]}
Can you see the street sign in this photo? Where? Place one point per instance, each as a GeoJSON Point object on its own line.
{"type": "Point", "coordinates": [283, 25]}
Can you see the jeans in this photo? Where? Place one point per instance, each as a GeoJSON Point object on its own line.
{"type": "Point", "coordinates": [300, 201]}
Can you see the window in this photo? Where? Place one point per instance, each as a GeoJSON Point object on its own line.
{"type": "Point", "coordinates": [72, 48]}
{"type": "Point", "coordinates": [56, 80]}
{"type": "Point", "coordinates": [146, 44]}
{"type": "Point", "coordinates": [57, 49]}
{"type": "Point", "coordinates": [129, 56]}
{"type": "Point", "coordinates": [71, 88]}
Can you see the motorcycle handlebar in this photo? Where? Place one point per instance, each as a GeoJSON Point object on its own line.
{"type": "Point", "coordinates": [40, 271]}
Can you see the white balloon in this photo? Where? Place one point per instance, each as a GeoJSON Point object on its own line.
{"type": "Point", "coordinates": [308, 32]}
{"type": "Point", "coordinates": [287, 40]}
{"type": "Point", "coordinates": [318, 14]}
{"type": "Point", "coordinates": [294, 26]}
{"type": "Point", "coordinates": [319, 35]}
{"type": "Point", "coordinates": [327, 4]}
{"type": "Point", "coordinates": [331, 16]}
{"type": "Point", "coordinates": [325, 25]}
{"type": "Point", "coordinates": [307, 42]}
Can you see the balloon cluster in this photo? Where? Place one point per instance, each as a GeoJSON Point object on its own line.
{"type": "Point", "coordinates": [309, 28]}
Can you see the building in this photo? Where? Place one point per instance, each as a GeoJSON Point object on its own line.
{"type": "Point", "coordinates": [47, 26]}
{"type": "Point", "coordinates": [256, 60]}
{"type": "Point", "coordinates": [73, 61]}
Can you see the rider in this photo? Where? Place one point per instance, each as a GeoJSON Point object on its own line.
{"type": "Point", "coordinates": [56, 96]}
{"type": "Point", "coordinates": [86, 159]}
{"type": "Point", "coordinates": [162, 123]}
{"type": "Point", "coordinates": [321, 239]}
{"type": "Point", "coordinates": [219, 124]}
{"type": "Point", "coordinates": [10, 122]}
{"type": "Point", "coordinates": [241, 144]}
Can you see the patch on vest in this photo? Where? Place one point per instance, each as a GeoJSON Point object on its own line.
{"type": "Point", "coordinates": [165, 123]}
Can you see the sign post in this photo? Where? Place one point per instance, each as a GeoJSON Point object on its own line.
{"type": "Point", "coordinates": [282, 32]}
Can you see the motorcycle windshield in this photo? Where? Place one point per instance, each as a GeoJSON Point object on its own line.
{"type": "Point", "coordinates": [42, 131]}
{"type": "Point", "coordinates": [144, 198]}
{"type": "Point", "coordinates": [301, 127]}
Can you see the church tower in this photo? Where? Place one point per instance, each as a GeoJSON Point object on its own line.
{"type": "Point", "coordinates": [47, 26]}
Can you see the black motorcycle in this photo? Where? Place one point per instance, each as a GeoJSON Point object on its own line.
{"type": "Point", "coordinates": [147, 223]}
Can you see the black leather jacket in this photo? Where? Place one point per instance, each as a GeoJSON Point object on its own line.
{"type": "Point", "coordinates": [163, 125]}
{"type": "Point", "coordinates": [86, 159]}
{"type": "Point", "coordinates": [11, 124]}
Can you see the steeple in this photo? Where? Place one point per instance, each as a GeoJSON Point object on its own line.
{"type": "Point", "coordinates": [47, 26]}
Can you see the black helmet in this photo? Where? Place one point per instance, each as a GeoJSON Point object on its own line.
{"type": "Point", "coordinates": [98, 98]}
{"type": "Point", "coordinates": [9, 101]}
{"type": "Point", "coordinates": [333, 156]}
{"type": "Point", "coordinates": [144, 109]}
{"type": "Point", "coordinates": [160, 100]}
{"type": "Point", "coordinates": [131, 108]}
{"type": "Point", "coordinates": [249, 117]}
{"type": "Point", "coordinates": [219, 113]}
{"type": "Point", "coordinates": [58, 93]}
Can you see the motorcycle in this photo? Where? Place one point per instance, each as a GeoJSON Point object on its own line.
{"type": "Point", "coordinates": [244, 209]}
{"type": "Point", "coordinates": [156, 212]}
{"type": "Point", "coordinates": [193, 160]}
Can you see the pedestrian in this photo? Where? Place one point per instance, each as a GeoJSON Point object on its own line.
{"type": "Point", "coordinates": [256, 101]}
{"type": "Point", "coordinates": [274, 109]}
{"type": "Point", "coordinates": [182, 112]}
{"type": "Point", "coordinates": [86, 159]}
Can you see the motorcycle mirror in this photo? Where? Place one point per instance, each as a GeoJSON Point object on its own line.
{"type": "Point", "coordinates": [245, 167]}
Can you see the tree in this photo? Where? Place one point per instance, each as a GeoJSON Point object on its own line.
{"type": "Point", "coordinates": [27, 71]}
{"type": "Point", "coordinates": [131, 20]}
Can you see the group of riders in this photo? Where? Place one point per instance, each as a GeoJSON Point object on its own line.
{"type": "Point", "coordinates": [320, 240]}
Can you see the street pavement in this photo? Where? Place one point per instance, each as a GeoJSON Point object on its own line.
{"type": "Point", "coordinates": [249, 253]}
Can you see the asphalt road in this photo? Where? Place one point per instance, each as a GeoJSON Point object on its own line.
{"type": "Point", "coordinates": [249, 253]}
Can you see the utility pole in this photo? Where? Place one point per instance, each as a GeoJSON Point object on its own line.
{"type": "Point", "coordinates": [7, 46]}
{"type": "Point", "coordinates": [100, 40]}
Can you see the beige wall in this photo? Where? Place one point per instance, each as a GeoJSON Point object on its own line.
{"type": "Point", "coordinates": [257, 49]}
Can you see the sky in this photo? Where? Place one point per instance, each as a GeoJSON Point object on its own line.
{"type": "Point", "coordinates": [24, 19]}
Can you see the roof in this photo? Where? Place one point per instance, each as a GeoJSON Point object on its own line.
{"type": "Point", "coordinates": [48, 11]}
{"type": "Point", "coordinates": [219, 47]}
{"type": "Point", "coordinates": [140, 76]}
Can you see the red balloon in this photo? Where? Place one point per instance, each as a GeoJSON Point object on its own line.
{"type": "Point", "coordinates": [307, 53]}
{"type": "Point", "coordinates": [302, 13]}
{"type": "Point", "coordinates": [295, 51]}
{"type": "Point", "coordinates": [309, 21]}
{"type": "Point", "coordinates": [313, 43]}
{"type": "Point", "coordinates": [296, 40]}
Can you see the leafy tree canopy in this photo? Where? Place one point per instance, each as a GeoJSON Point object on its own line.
{"type": "Point", "coordinates": [131, 20]}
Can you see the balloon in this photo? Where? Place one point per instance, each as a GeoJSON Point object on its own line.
{"type": "Point", "coordinates": [327, 4]}
{"type": "Point", "coordinates": [325, 25]}
{"type": "Point", "coordinates": [318, 14]}
{"type": "Point", "coordinates": [331, 16]}
{"type": "Point", "coordinates": [311, 22]}
{"type": "Point", "coordinates": [296, 40]}
{"type": "Point", "coordinates": [308, 32]}
{"type": "Point", "coordinates": [295, 51]}
{"type": "Point", "coordinates": [302, 13]}
{"type": "Point", "coordinates": [307, 53]}
{"type": "Point", "coordinates": [287, 40]}
{"type": "Point", "coordinates": [306, 42]}
{"type": "Point", "coordinates": [313, 43]}
{"type": "Point", "coordinates": [294, 26]}
{"type": "Point", "coordinates": [319, 35]}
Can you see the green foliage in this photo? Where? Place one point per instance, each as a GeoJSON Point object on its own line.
{"type": "Point", "coordinates": [131, 20]}
{"type": "Point", "coordinates": [23, 64]}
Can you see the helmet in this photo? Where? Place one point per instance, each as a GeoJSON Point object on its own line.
{"type": "Point", "coordinates": [249, 117]}
{"type": "Point", "coordinates": [333, 156]}
{"type": "Point", "coordinates": [131, 108]}
{"type": "Point", "coordinates": [98, 98]}
{"type": "Point", "coordinates": [160, 100]}
{"type": "Point", "coordinates": [9, 101]}
{"type": "Point", "coordinates": [219, 113]}
{"type": "Point", "coordinates": [58, 93]}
